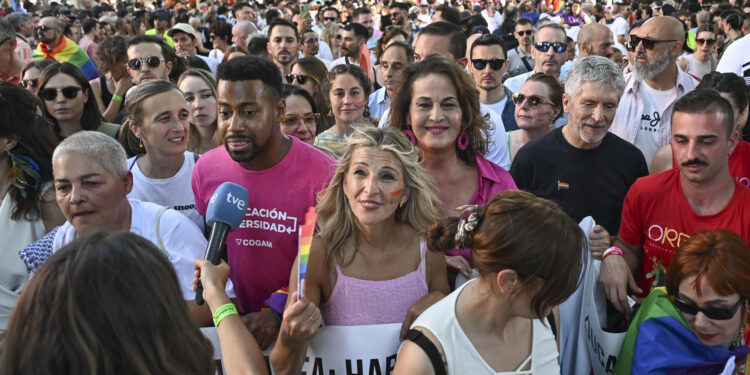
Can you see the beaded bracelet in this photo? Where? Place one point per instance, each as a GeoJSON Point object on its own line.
{"type": "Point", "coordinates": [224, 311]}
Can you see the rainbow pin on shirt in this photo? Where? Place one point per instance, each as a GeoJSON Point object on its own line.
{"type": "Point", "coordinates": [305, 239]}
{"type": "Point", "coordinates": [562, 185]}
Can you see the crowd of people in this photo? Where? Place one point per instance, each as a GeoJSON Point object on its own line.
{"type": "Point", "coordinates": [477, 132]}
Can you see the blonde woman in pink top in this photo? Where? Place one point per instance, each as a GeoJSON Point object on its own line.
{"type": "Point", "coordinates": [368, 265]}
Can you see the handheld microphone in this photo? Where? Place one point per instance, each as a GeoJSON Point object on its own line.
{"type": "Point", "coordinates": [225, 212]}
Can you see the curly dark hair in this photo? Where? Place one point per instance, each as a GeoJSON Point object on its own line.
{"type": "Point", "coordinates": [248, 68]}
{"type": "Point", "coordinates": [112, 50]}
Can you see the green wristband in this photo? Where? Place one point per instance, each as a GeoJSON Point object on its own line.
{"type": "Point", "coordinates": [224, 311]}
{"type": "Point", "coordinates": [117, 98]}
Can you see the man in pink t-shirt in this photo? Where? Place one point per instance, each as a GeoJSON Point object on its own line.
{"type": "Point", "coordinates": [662, 211]}
{"type": "Point", "coordinates": [282, 174]}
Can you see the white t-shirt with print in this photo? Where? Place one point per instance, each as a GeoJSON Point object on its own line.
{"type": "Point", "coordinates": [174, 192]}
{"type": "Point", "coordinates": [654, 103]}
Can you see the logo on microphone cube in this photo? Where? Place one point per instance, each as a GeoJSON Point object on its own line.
{"type": "Point", "coordinates": [213, 199]}
{"type": "Point", "coordinates": [236, 201]}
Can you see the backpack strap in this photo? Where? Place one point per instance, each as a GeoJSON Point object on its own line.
{"type": "Point", "coordinates": [429, 348]}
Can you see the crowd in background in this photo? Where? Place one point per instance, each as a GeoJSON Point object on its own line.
{"type": "Point", "coordinates": [478, 133]}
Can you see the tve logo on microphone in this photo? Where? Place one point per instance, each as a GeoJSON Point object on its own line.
{"type": "Point", "coordinates": [237, 201]}
{"type": "Point", "coordinates": [228, 205]}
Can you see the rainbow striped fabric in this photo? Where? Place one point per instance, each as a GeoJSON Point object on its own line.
{"type": "Point", "coordinates": [305, 239]}
{"type": "Point", "coordinates": [557, 6]}
{"type": "Point", "coordinates": [68, 51]}
{"type": "Point", "coordinates": [659, 341]}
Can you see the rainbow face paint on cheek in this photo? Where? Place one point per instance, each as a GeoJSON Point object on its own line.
{"type": "Point", "coordinates": [396, 195]}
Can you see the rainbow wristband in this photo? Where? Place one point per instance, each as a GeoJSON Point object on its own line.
{"type": "Point", "coordinates": [224, 311]}
{"type": "Point", "coordinates": [611, 251]}
{"type": "Point", "coordinates": [117, 98]}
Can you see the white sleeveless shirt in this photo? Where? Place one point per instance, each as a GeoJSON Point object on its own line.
{"type": "Point", "coordinates": [440, 319]}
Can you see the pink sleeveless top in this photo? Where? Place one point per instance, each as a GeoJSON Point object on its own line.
{"type": "Point", "coordinates": [356, 302]}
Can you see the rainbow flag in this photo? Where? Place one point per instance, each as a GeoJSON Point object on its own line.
{"type": "Point", "coordinates": [562, 185]}
{"type": "Point", "coordinates": [305, 239]}
{"type": "Point", "coordinates": [659, 341]}
{"type": "Point", "coordinates": [13, 4]}
{"type": "Point", "coordinates": [68, 51]}
{"type": "Point", "coordinates": [556, 7]}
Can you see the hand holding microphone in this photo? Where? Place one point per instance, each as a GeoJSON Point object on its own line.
{"type": "Point", "coordinates": [225, 212]}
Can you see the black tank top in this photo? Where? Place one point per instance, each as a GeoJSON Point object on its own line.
{"type": "Point", "coordinates": [106, 95]}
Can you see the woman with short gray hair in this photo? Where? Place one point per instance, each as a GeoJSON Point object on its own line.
{"type": "Point", "coordinates": [92, 183]}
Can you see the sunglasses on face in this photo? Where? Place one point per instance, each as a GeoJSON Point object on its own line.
{"type": "Point", "coordinates": [301, 78]}
{"type": "Point", "coordinates": [647, 43]}
{"type": "Point", "coordinates": [629, 46]}
{"type": "Point", "coordinates": [338, 36]}
{"type": "Point", "coordinates": [533, 100]}
{"type": "Point", "coordinates": [329, 18]}
{"type": "Point", "coordinates": [709, 42]}
{"type": "Point", "coordinates": [152, 61]}
{"type": "Point", "coordinates": [309, 119]}
{"type": "Point", "coordinates": [69, 92]}
{"type": "Point", "coordinates": [524, 32]}
{"type": "Point", "coordinates": [29, 83]}
{"type": "Point", "coordinates": [311, 41]}
{"type": "Point", "coordinates": [495, 64]}
{"type": "Point", "coordinates": [544, 47]}
{"type": "Point", "coordinates": [715, 313]}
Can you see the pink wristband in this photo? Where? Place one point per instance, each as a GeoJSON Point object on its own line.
{"type": "Point", "coordinates": [611, 251]}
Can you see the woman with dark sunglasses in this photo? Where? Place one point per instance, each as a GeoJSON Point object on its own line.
{"type": "Point", "coordinates": [69, 103]}
{"type": "Point", "coordinates": [701, 320]}
{"type": "Point", "coordinates": [702, 61]}
{"type": "Point", "coordinates": [311, 74]}
{"type": "Point", "coordinates": [31, 72]}
{"type": "Point", "coordinates": [538, 105]}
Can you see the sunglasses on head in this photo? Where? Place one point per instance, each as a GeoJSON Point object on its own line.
{"type": "Point", "coordinates": [533, 100]}
{"type": "Point", "coordinates": [544, 46]}
{"type": "Point", "coordinates": [647, 43]}
{"type": "Point", "coordinates": [524, 32]}
{"type": "Point", "coordinates": [29, 83]}
{"type": "Point", "coordinates": [69, 92]}
{"type": "Point", "coordinates": [309, 119]}
{"type": "Point", "coordinates": [702, 41]}
{"type": "Point", "coordinates": [495, 64]}
{"type": "Point", "coordinates": [152, 61]}
{"type": "Point", "coordinates": [301, 78]}
{"type": "Point", "coordinates": [715, 313]}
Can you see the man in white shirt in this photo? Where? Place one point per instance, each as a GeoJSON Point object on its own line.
{"type": "Point", "coordinates": [487, 65]}
{"type": "Point", "coordinates": [355, 37]}
{"type": "Point", "coordinates": [736, 59]}
{"type": "Point", "coordinates": [549, 53]}
{"type": "Point", "coordinates": [494, 17]}
{"type": "Point", "coordinates": [643, 115]}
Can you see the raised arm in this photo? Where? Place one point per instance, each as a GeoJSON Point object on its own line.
{"type": "Point", "coordinates": [239, 350]}
{"type": "Point", "coordinates": [301, 316]}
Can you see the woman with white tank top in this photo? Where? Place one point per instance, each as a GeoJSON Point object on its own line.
{"type": "Point", "coordinates": [528, 253]}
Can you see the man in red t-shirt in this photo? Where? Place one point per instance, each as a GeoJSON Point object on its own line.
{"type": "Point", "coordinates": [661, 211]}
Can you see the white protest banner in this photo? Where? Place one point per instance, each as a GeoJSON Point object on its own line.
{"type": "Point", "coordinates": [344, 350]}
{"type": "Point", "coordinates": [602, 346]}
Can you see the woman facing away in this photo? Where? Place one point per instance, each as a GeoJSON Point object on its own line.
{"type": "Point", "coordinates": [529, 254]}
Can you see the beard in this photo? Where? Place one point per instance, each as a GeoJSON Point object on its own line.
{"type": "Point", "coordinates": [643, 71]}
{"type": "Point", "coordinates": [246, 155]}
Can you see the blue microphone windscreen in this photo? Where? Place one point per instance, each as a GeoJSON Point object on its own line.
{"type": "Point", "coordinates": [227, 205]}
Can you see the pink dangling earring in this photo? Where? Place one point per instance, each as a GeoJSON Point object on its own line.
{"type": "Point", "coordinates": [411, 136]}
{"type": "Point", "coordinates": [463, 141]}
